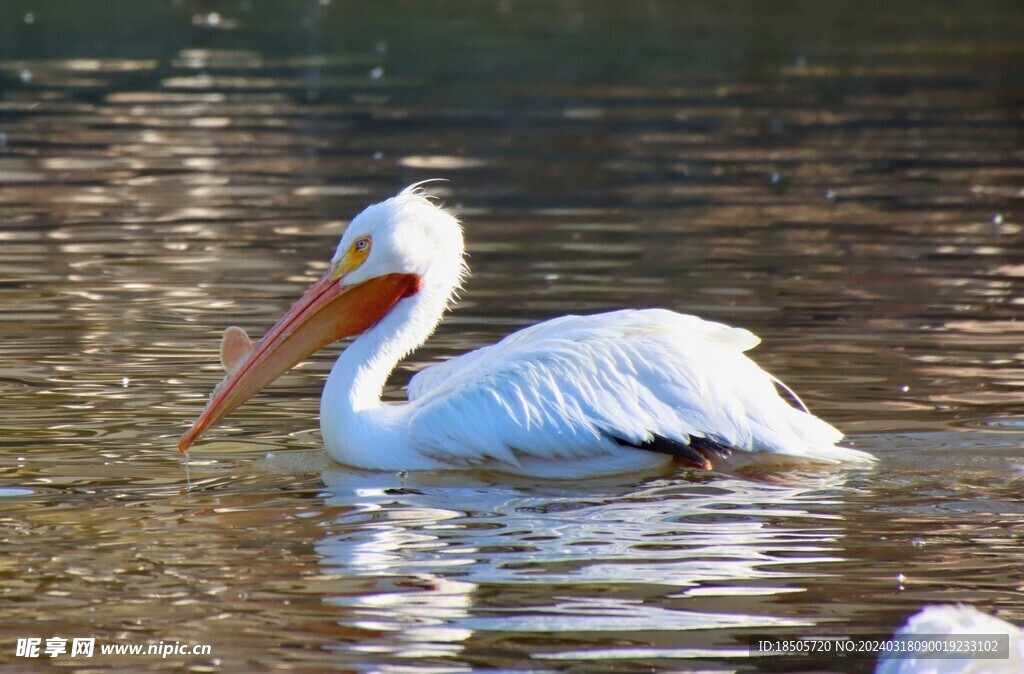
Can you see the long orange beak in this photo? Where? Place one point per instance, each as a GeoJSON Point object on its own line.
{"type": "Point", "coordinates": [327, 312]}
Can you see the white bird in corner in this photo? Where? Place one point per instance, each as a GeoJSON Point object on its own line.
{"type": "Point", "coordinates": [969, 635]}
{"type": "Point", "coordinates": [575, 396]}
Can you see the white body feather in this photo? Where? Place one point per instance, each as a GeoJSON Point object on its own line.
{"type": "Point", "coordinates": [956, 623]}
{"type": "Point", "coordinates": [565, 389]}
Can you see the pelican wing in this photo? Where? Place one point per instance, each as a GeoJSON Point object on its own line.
{"type": "Point", "coordinates": [577, 387]}
{"type": "Point", "coordinates": [531, 341]}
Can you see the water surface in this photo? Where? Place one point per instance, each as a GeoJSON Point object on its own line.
{"type": "Point", "coordinates": [844, 181]}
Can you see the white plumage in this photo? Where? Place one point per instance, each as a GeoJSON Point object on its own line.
{"type": "Point", "coordinates": [957, 623]}
{"type": "Point", "coordinates": [574, 396]}
{"type": "Point", "coordinates": [568, 388]}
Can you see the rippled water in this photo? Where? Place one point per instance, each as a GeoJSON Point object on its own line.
{"type": "Point", "coordinates": [846, 182]}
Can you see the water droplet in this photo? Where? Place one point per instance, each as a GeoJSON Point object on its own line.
{"type": "Point", "coordinates": [211, 20]}
{"type": "Point", "coordinates": [917, 542]}
{"type": "Point", "coordinates": [377, 73]}
{"type": "Point", "coordinates": [775, 178]}
{"type": "Point", "coordinates": [124, 382]}
{"type": "Point", "coordinates": [30, 18]}
{"type": "Point", "coordinates": [378, 155]}
{"type": "Point", "coordinates": [997, 219]}
{"type": "Point", "coordinates": [900, 578]}
{"type": "Point", "coordinates": [904, 388]}
{"type": "Point", "coordinates": [26, 75]}
{"type": "Point", "coordinates": [402, 474]}
{"type": "Point", "coordinates": [830, 195]}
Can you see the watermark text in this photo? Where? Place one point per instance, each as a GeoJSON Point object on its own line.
{"type": "Point", "coordinates": [86, 647]}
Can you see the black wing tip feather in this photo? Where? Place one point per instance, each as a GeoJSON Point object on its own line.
{"type": "Point", "coordinates": [698, 453]}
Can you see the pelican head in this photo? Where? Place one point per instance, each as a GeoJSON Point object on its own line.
{"type": "Point", "coordinates": [406, 234]}
{"type": "Point", "coordinates": [405, 251]}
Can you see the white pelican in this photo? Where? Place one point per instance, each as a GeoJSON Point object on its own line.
{"type": "Point", "coordinates": [574, 396]}
{"type": "Point", "coordinates": [955, 623]}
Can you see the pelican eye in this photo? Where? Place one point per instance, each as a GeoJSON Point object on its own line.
{"type": "Point", "coordinates": [356, 256]}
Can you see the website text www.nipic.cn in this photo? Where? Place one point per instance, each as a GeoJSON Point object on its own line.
{"type": "Point", "coordinates": [86, 647]}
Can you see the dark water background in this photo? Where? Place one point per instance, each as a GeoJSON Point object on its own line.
{"type": "Point", "coordinates": [845, 179]}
